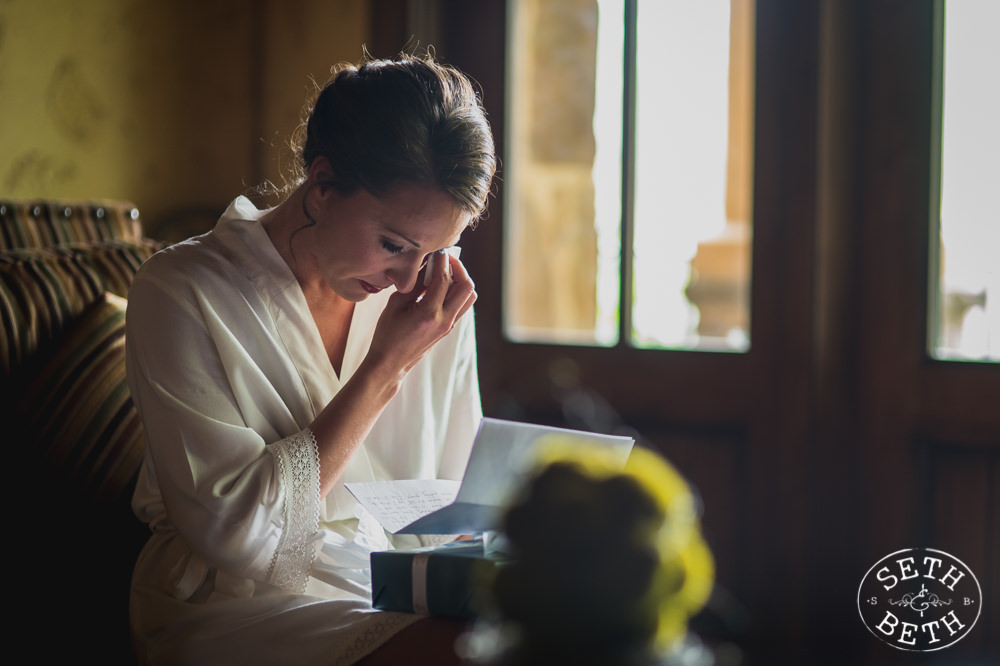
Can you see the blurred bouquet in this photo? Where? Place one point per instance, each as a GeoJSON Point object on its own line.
{"type": "Point", "coordinates": [608, 565]}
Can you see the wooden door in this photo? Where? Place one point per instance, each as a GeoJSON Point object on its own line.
{"type": "Point", "coordinates": [835, 440]}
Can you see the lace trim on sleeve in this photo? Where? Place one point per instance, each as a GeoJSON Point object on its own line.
{"type": "Point", "coordinates": [298, 466]}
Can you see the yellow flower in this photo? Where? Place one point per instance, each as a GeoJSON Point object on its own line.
{"type": "Point", "coordinates": [682, 581]}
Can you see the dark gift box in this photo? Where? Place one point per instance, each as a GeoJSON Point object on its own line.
{"type": "Point", "coordinates": [441, 581]}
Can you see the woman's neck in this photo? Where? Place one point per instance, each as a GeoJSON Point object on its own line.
{"type": "Point", "coordinates": [330, 311]}
{"type": "Point", "coordinates": [281, 224]}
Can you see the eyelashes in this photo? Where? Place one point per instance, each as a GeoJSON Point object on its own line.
{"type": "Point", "coordinates": [391, 248]}
{"type": "Point", "coordinates": [394, 249]}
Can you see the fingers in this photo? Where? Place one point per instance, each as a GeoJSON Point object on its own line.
{"type": "Point", "coordinates": [413, 323]}
{"type": "Point", "coordinates": [450, 286]}
{"type": "Point", "coordinates": [466, 306]}
{"type": "Point", "coordinates": [429, 269]}
{"type": "Point", "coordinates": [437, 277]}
{"type": "Point", "coordinates": [434, 310]}
{"type": "Point", "coordinates": [462, 292]}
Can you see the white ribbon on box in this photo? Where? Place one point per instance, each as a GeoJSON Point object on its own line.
{"type": "Point", "coordinates": [419, 573]}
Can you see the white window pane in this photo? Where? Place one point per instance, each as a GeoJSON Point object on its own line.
{"type": "Point", "coordinates": [968, 316]}
{"type": "Point", "coordinates": [693, 182]}
{"type": "Point", "coordinates": [562, 172]}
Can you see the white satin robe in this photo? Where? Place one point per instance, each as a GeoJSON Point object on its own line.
{"type": "Point", "coordinates": [246, 564]}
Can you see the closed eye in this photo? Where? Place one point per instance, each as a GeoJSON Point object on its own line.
{"type": "Point", "coordinates": [392, 248]}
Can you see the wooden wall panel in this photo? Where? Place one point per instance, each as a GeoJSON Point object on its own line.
{"type": "Point", "coordinates": [714, 461]}
{"type": "Point", "coordinates": [961, 516]}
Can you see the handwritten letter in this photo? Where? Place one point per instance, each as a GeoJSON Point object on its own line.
{"type": "Point", "coordinates": [396, 504]}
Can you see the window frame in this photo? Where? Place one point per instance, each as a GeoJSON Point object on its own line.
{"type": "Point", "coordinates": [836, 438]}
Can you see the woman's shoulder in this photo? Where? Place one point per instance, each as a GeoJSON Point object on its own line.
{"type": "Point", "coordinates": [194, 259]}
{"type": "Point", "coordinates": [185, 282]}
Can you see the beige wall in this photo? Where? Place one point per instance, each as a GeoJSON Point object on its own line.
{"type": "Point", "coordinates": [177, 105]}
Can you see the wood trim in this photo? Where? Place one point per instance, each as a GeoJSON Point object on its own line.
{"type": "Point", "coordinates": [836, 398]}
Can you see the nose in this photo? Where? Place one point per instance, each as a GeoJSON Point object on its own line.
{"type": "Point", "coordinates": [404, 275]}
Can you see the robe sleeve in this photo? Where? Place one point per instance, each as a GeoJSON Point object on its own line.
{"type": "Point", "coordinates": [244, 505]}
{"type": "Point", "coordinates": [463, 409]}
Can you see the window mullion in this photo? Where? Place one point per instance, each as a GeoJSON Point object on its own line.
{"type": "Point", "coordinates": [628, 174]}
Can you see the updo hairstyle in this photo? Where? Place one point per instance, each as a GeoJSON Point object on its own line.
{"type": "Point", "coordinates": [410, 120]}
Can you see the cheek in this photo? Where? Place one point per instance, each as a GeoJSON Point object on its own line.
{"type": "Point", "coordinates": [342, 257]}
{"type": "Point", "coordinates": [363, 263]}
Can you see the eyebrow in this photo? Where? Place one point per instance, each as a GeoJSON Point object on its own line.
{"type": "Point", "coordinates": [406, 238]}
{"type": "Point", "coordinates": [415, 243]}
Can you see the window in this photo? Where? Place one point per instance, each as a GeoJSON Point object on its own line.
{"type": "Point", "coordinates": [967, 325]}
{"type": "Point", "coordinates": [629, 173]}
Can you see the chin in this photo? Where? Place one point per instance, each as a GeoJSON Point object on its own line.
{"type": "Point", "coordinates": [356, 297]}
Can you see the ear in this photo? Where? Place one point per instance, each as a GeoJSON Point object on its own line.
{"type": "Point", "coordinates": [320, 170]}
{"type": "Point", "coordinates": [317, 186]}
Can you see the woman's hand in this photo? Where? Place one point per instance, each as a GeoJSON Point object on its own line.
{"type": "Point", "coordinates": [413, 322]}
{"type": "Point", "coordinates": [409, 326]}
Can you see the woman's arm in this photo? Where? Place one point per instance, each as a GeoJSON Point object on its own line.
{"type": "Point", "coordinates": [213, 476]}
{"type": "Point", "coordinates": [408, 328]}
{"type": "Point", "coordinates": [244, 493]}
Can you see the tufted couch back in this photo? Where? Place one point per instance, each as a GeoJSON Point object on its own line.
{"type": "Point", "coordinates": [65, 270]}
{"type": "Point", "coordinates": [47, 223]}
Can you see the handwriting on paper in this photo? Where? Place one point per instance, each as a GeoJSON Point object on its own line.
{"type": "Point", "coordinates": [396, 504]}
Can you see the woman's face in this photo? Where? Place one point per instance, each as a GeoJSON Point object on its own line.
{"type": "Point", "coordinates": [363, 244]}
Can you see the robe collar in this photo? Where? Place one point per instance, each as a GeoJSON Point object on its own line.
{"type": "Point", "coordinates": [242, 234]}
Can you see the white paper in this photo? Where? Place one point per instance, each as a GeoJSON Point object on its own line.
{"type": "Point", "coordinates": [501, 457]}
{"type": "Point", "coordinates": [396, 504]}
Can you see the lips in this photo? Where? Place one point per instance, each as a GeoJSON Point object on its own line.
{"type": "Point", "coordinates": [370, 288]}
